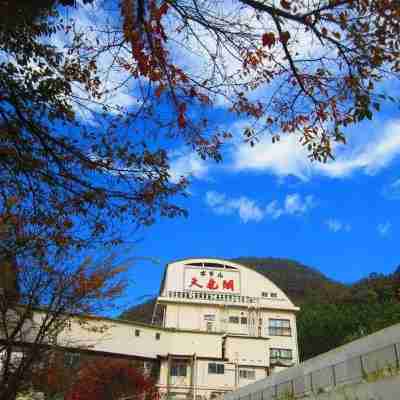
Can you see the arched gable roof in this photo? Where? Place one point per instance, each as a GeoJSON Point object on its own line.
{"type": "Point", "coordinates": [253, 281]}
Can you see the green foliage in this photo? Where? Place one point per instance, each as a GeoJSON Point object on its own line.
{"type": "Point", "coordinates": [303, 284]}
{"type": "Point", "coordinates": [371, 305]}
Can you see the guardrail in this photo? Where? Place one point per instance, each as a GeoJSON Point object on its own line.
{"type": "Point", "coordinates": [303, 379]}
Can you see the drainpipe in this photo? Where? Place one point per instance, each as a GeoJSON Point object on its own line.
{"type": "Point", "coordinates": [236, 373]}
{"type": "Point", "coordinates": [194, 375]}
{"type": "Point", "coordinates": [168, 374]}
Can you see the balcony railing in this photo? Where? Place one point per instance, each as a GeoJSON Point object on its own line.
{"type": "Point", "coordinates": [215, 297]}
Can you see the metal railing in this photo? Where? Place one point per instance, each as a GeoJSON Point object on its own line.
{"type": "Point", "coordinates": [218, 297]}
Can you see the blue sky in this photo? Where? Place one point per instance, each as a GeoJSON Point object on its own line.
{"type": "Point", "coordinates": [341, 217]}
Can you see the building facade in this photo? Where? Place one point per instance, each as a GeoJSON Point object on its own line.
{"type": "Point", "coordinates": [245, 327]}
{"type": "Point", "coordinates": [217, 326]}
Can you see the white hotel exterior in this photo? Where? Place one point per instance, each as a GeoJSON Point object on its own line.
{"type": "Point", "coordinates": [220, 326]}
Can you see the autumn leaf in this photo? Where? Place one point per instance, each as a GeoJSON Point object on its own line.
{"type": "Point", "coordinates": [181, 120]}
{"type": "Point", "coordinates": [268, 39]}
{"type": "Point", "coordinates": [284, 37]}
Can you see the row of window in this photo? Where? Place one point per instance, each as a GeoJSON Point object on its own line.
{"type": "Point", "coordinates": [280, 354]}
{"type": "Point", "coordinates": [180, 368]}
{"type": "Point", "coordinates": [273, 295]}
{"type": "Point", "coordinates": [235, 320]}
{"type": "Point", "coordinates": [277, 327]}
{"type": "Point", "coordinates": [247, 374]}
{"type": "Point", "coordinates": [157, 334]}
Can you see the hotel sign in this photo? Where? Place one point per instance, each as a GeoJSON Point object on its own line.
{"type": "Point", "coordinates": [212, 280]}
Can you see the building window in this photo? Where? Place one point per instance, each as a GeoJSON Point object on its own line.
{"type": "Point", "coordinates": [280, 354]}
{"type": "Point", "coordinates": [264, 294]}
{"type": "Point", "coordinates": [179, 369]}
{"type": "Point", "coordinates": [247, 374]}
{"type": "Point", "coordinates": [158, 335]}
{"type": "Point", "coordinates": [274, 294]}
{"type": "Point", "coordinates": [137, 332]}
{"type": "Point", "coordinates": [71, 360]}
{"type": "Point", "coordinates": [209, 326]}
{"type": "Point", "coordinates": [209, 317]}
{"type": "Point", "coordinates": [215, 368]}
{"type": "Point", "coordinates": [243, 320]}
{"type": "Point", "coordinates": [279, 327]}
{"type": "Point", "coordinates": [233, 320]}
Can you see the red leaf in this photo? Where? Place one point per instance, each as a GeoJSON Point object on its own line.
{"type": "Point", "coordinates": [181, 120]}
{"type": "Point", "coordinates": [268, 39]}
{"type": "Point", "coordinates": [163, 9]}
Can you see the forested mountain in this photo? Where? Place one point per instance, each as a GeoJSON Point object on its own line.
{"type": "Point", "coordinates": [300, 282]}
{"type": "Point", "coordinates": [140, 313]}
{"type": "Point", "coordinates": [331, 313]}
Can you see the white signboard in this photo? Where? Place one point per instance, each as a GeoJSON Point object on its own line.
{"type": "Point", "coordinates": [211, 280]}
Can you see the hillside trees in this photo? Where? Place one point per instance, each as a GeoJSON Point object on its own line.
{"type": "Point", "coordinates": [371, 304]}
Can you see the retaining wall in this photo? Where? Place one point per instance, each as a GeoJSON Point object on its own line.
{"type": "Point", "coordinates": [348, 364]}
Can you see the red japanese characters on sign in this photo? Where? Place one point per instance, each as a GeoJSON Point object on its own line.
{"type": "Point", "coordinates": [212, 284]}
{"type": "Point", "coordinates": [212, 280]}
{"type": "Point", "coordinates": [228, 285]}
{"type": "Point", "coordinates": [195, 283]}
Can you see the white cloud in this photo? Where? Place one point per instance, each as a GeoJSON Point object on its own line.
{"type": "Point", "coordinates": [248, 209]}
{"type": "Point", "coordinates": [283, 158]}
{"type": "Point", "coordinates": [288, 157]}
{"type": "Point", "coordinates": [392, 191]}
{"type": "Point", "coordinates": [372, 157]}
{"type": "Point", "coordinates": [294, 204]}
{"type": "Point", "coordinates": [187, 165]}
{"type": "Point", "coordinates": [384, 229]}
{"type": "Point", "coordinates": [336, 225]}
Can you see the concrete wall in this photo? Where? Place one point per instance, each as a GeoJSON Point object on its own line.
{"type": "Point", "coordinates": [346, 364]}
{"type": "Point", "coordinates": [196, 317]}
{"type": "Point", "coordinates": [139, 340]}
{"type": "Point", "coordinates": [384, 389]}
{"type": "Point", "coordinates": [246, 351]}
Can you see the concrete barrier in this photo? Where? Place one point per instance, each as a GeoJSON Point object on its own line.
{"type": "Point", "coordinates": [348, 364]}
